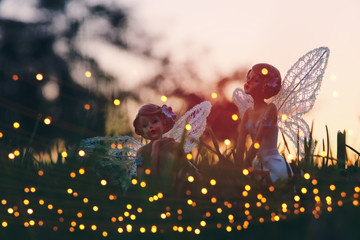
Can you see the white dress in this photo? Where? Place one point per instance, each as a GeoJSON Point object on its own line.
{"type": "Point", "coordinates": [268, 157]}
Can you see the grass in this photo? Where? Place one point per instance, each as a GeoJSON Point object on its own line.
{"type": "Point", "coordinates": [65, 196]}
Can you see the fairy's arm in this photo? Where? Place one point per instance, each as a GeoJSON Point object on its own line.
{"type": "Point", "coordinates": [240, 146]}
{"type": "Point", "coordinates": [268, 121]}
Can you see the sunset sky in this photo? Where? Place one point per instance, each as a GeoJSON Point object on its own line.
{"type": "Point", "coordinates": [222, 36]}
{"type": "Point", "coordinates": [234, 34]}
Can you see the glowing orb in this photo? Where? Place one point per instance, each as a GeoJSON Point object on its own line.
{"type": "Point", "coordinates": [116, 102]}
{"type": "Point", "coordinates": [81, 153]}
{"type": "Point", "coordinates": [47, 120]}
{"type": "Point", "coordinates": [39, 77]}
{"type": "Point", "coordinates": [88, 74]}
{"type": "Point", "coordinates": [163, 98]}
{"type": "Point", "coordinates": [16, 125]}
{"type": "Point", "coordinates": [264, 71]}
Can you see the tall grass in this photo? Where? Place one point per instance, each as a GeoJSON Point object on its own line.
{"type": "Point", "coordinates": [64, 194]}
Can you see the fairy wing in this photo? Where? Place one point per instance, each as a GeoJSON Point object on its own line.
{"type": "Point", "coordinates": [242, 100]}
{"type": "Point", "coordinates": [117, 152]}
{"type": "Point", "coordinates": [196, 118]}
{"type": "Point", "coordinates": [299, 90]}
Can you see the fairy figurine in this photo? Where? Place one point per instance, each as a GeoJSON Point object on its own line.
{"type": "Point", "coordinates": [159, 126]}
{"type": "Point", "coordinates": [151, 122]}
{"type": "Point", "coordinates": [288, 101]}
{"type": "Point", "coordinates": [260, 122]}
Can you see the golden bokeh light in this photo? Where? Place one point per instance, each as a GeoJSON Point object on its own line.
{"type": "Point", "coordinates": [188, 127]}
{"type": "Point", "coordinates": [11, 155]}
{"type": "Point", "coordinates": [16, 125]}
{"type": "Point", "coordinates": [264, 71]}
{"type": "Point", "coordinates": [15, 77]}
{"type": "Point", "coordinates": [103, 182]}
{"type": "Point", "coordinates": [64, 154]}
{"type": "Point", "coordinates": [87, 106]}
{"type": "Point", "coordinates": [81, 153]}
{"type": "Point", "coordinates": [227, 142]}
{"type": "Point", "coordinates": [191, 179]}
{"type": "Point", "coordinates": [116, 102]}
{"type": "Point", "coordinates": [235, 117]}
{"type": "Point", "coordinates": [88, 74]}
{"type": "Point", "coordinates": [214, 95]}
{"type": "Point", "coordinates": [39, 77]}
{"type": "Point", "coordinates": [163, 98]}
{"type": "Point", "coordinates": [47, 121]}
{"type": "Point", "coordinates": [16, 153]}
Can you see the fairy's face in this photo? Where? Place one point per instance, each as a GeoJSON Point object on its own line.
{"type": "Point", "coordinates": [253, 85]}
{"type": "Point", "coordinates": [152, 127]}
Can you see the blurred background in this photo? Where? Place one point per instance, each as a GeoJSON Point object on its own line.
{"type": "Point", "coordinates": [82, 68]}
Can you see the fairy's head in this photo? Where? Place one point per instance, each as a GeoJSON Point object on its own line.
{"type": "Point", "coordinates": [152, 121]}
{"type": "Point", "coordinates": [263, 79]}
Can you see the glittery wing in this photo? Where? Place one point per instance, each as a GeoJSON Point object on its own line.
{"type": "Point", "coordinates": [242, 100]}
{"type": "Point", "coordinates": [117, 152]}
{"type": "Point", "coordinates": [295, 129]}
{"type": "Point", "coordinates": [196, 118]}
{"type": "Point", "coordinates": [298, 94]}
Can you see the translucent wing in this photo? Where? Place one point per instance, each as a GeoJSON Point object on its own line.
{"type": "Point", "coordinates": [242, 100]}
{"type": "Point", "coordinates": [294, 127]}
{"type": "Point", "coordinates": [115, 152]}
{"type": "Point", "coordinates": [298, 94]}
{"type": "Point", "coordinates": [302, 83]}
{"type": "Point", "coordinates": [196, 118]}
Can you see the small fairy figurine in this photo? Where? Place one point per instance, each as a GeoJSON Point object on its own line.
{"type": "Point", "coordinates": [164, 155]}
{"type": "Point", "coordinates": [288, 102]}
{"type": "Point", "coordinates": [151, 122]}
{"type": "Point", "coordinates": [260, 122]}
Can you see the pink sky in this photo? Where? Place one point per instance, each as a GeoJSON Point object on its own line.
{"type": "Point", "coordinates": [221, 36]}
{"type": "Point", "coordinates": [241, 33]}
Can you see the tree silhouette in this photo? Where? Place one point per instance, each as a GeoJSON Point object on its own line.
{"type": "Point", "coordinates": [39, 81]}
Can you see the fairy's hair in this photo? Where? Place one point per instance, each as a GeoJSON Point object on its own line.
{"type": "Point", "coordinates": [165, 113]}
{"type": "Point", "coordinates": [270, 77]}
